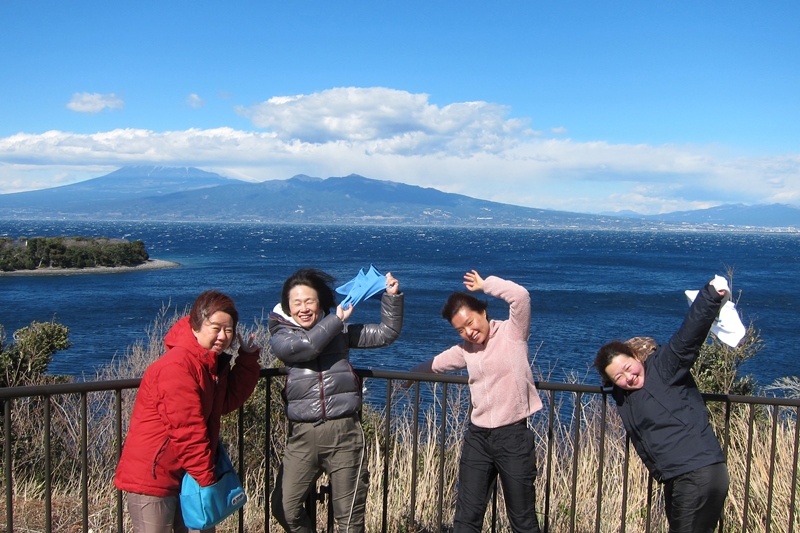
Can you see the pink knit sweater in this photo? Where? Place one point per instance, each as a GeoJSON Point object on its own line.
{"type": "Point", "coordinates": [500, 380]}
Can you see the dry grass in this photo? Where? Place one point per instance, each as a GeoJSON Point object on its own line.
{"type": "Point", "coordinates": [762, 491]}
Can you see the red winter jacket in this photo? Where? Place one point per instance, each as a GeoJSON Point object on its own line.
{"type": "Point", "coordinates": [176, 416]}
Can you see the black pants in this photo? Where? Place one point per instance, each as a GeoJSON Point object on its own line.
{"type": "Point", "coordinates": [694, 500]}
{"type": "Point", "coordinates": [508, 452]}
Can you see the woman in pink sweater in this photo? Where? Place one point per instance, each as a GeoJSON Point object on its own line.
{"type": "Point", "coordinates": [503, 396]}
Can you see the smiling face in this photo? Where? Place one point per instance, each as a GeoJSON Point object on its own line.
{"type": "Point", "coordinates": [304, 306]}
{"type": "Point", "coordinates": [216, 332]}
{"type": "Point", "coordinates": [471, 325]}
{"type": "Point", "coordinates": [626, 372]}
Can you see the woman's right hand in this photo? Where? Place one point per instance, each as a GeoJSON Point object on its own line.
{"type": "Point", "coordinates": [473, 281]}
{"type": "Point", "coordinates": [344, 314]}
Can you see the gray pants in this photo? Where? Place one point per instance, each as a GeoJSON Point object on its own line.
{"type": "Point", "coordinates": [335, 447]}
{"type": "Point", "coordinates": [156, 514]}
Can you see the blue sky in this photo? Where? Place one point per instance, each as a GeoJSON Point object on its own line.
{"type": "Point", "coordinates": [585, 106]}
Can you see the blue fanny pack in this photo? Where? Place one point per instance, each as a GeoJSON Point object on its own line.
{"type": "Point", "coordinates": [205, 507]}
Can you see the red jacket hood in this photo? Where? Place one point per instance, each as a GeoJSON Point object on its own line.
{"type": "Point", "coordinates": [181, 336]}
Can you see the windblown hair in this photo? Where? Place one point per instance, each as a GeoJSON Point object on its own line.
{"type": "Point", "coordinates": [317, 280]}
{"type": "Point", "coordinates": [457, 300]}
{"type": "Point", "coordinates": [642, 347]}
{"type": "Point", "coordinates": [208, 303]}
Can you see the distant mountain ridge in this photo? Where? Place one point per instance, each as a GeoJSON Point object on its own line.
{"type": "Point", "coordinates": [772, 215]}
{"type": "Point", "coordinates": [125, 184]}
{"type": "Point", "coordinates": [149, 193]}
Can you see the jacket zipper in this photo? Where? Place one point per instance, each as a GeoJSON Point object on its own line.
{"type": "Point", "coordinates": [321, 391]}
{"type": "Point", "coordinates": [158, 456]}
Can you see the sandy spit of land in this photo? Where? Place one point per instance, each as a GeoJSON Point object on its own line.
{"type": "Point", "coordinates": [151, 264]}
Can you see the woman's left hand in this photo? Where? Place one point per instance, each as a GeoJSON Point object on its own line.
{"type": "Point", "coordinates": [721, 284]}
{"type": "Point", "coordinates": [392, 285]}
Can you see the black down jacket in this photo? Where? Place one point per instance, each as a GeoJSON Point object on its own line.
{"type": "Point", "coordinates": [321, 384]}
{"type": "Point", "coordinates": [667, 419]}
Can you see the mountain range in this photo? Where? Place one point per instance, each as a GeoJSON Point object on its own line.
{"type": "Point", "coordinates": [189, 194]}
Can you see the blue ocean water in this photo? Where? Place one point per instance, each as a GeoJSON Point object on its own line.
{"type": "Point", "coordinates": [587, 287]}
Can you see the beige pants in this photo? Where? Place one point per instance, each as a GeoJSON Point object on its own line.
{"type": "Point", "coordinates": [156, 514]}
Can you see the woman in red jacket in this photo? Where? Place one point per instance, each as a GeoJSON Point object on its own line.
{"type": "Point", "coordinates": [175, 422]}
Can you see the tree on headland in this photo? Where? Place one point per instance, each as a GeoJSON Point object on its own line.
{"type": "Point", "coordinates": [69, 252]}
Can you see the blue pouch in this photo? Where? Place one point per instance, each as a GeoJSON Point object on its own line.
{"type": "Point", "coordinates": [205, 507]}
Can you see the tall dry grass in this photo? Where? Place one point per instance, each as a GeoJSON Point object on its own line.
{"type": "Point", "coordinates": [569, 461]}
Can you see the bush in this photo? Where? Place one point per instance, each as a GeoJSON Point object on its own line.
{"type": "Point", "coordinates": [26, 360]}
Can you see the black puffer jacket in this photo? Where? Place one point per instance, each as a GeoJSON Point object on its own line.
{"type": "Point", "coordinates": [667, 419]}
{"type": "Point", "coordinates": [322, 384]}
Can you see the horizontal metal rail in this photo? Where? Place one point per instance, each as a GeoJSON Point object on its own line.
{"type": "Point", "coordinates": [562, 420]}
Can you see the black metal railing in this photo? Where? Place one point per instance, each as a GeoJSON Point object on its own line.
{"type": "Point", "coordinates": [577, 433]}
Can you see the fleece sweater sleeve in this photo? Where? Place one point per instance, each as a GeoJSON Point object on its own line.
{"type": "Point", "coordinates": [519, 305]}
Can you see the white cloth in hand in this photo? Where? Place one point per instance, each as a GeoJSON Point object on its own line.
{"type": "Point", "coordinates": [728, 326]}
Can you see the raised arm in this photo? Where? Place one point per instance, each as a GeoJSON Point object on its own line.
{"type": "Point", "coordinates": [684, 346]}
{"type": "Point", "coordinates": [385, 333]}
{"type": "Point", "coordinates": [519, 303]}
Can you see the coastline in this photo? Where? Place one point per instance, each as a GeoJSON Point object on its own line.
{"type": "Point", "coordinates": [151, 264]}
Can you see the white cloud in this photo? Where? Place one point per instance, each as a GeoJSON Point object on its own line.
{"type": "Point", "coordinates": [195, 101]}
{"type": "Point", "coordinates": [471, 148]}
{"type": "Point", "coordinates": [560, 130]}
{"type": "Point", "coordinates": [391, 121]}
{"type": "Point", "coordinates": [94, 102]}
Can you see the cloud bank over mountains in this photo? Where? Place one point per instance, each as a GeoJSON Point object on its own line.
{"type": "Point", "coordinates": [474, 148]}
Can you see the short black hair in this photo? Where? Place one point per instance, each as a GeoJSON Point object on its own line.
{"type": "Point", "coordinates": [317, 280]}
{"type": "Point", "coordinates": [457, 300]}
{"type": "Point", "coordinates": [606, 354]}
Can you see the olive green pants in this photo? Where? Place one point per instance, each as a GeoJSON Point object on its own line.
{"type": "Point", "coordinates": [335, 447]}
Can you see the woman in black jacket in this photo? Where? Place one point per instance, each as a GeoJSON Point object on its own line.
{"type": "Point", "coordinates": [665, 415]}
